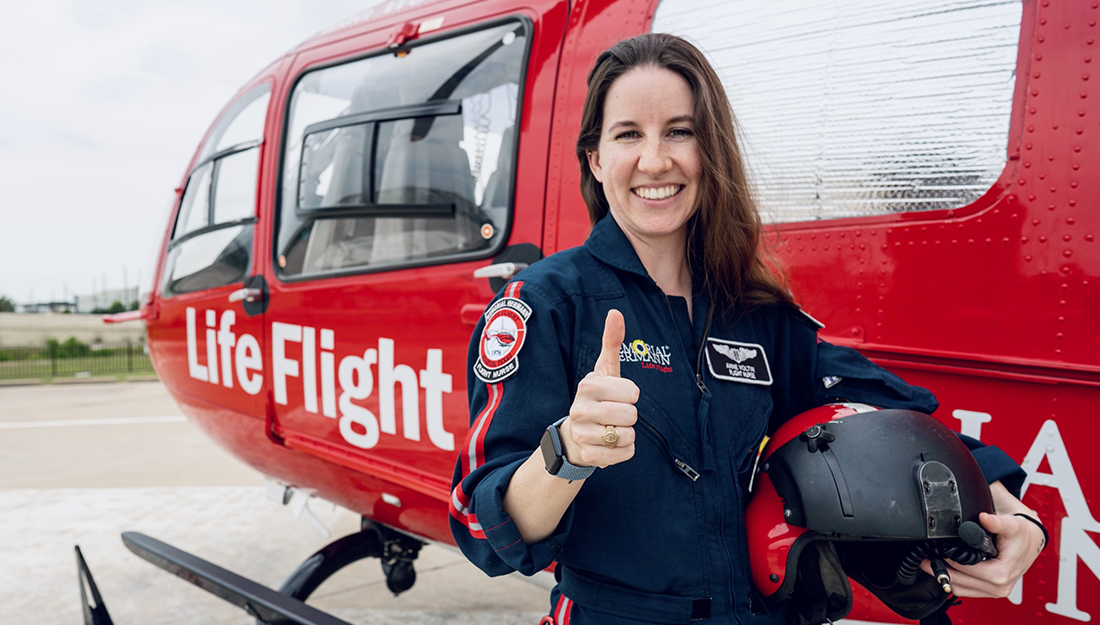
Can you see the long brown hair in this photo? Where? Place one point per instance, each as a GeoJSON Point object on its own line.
{"type": "Point", "coordinates": [724, 244]}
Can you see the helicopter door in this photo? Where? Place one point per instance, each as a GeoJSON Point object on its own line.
{"type": "Point", "coordinates": [209, 329]}
{"type": "Point", "coordinates": [397, 183]}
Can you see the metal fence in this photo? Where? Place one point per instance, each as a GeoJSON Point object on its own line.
{"type": "Point", "coordinates": [73, 359]}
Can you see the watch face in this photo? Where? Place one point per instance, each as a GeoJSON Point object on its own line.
{"type": "Point", "coordinates": [551, 450]}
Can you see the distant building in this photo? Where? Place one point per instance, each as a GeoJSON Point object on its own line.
{"type": "Point", "coordinates": [85, 304]}
{"type": "Point", "coordinates": [45, 307]}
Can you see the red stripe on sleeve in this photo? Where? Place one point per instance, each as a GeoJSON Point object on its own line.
{"type": "Point", "coordinates": [459, 509]}
{"type": "Point", "coordinates": [478, 453]}
{"type": "Point", "coordinates": [558, 608]}
{"type": "Point", "coordinates": [473, 446]}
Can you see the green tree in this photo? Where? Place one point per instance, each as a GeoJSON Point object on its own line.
{"type": "Point", "coordinates": [74, 347]}
{"type": "Point", "coordinates": [116, 307]}
{"type": "Point", "coordinates": [6, 305]}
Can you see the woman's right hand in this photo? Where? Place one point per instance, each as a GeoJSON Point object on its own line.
{"type": "Point", "coordinates": [603, 398]}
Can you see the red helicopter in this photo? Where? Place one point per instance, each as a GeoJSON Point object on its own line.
{"type": "Point", "coordinates": [930, 171]}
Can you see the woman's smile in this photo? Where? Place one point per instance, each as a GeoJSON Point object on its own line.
{"type": "Point", "coordinates": [658, 193]}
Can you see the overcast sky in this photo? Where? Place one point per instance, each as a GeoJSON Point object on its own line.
{"type": "Point", "coordinates": [102, 104]}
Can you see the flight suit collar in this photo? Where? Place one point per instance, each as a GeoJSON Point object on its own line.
{"type": "Point", "coordinates": [608, 243]}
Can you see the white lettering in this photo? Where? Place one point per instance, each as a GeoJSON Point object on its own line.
{"type": "Point", "coordinates": [971, 422]}
{"type": "Point", "coordinates": [228, 352]}
{"type": "Point", "coordinates": [328, 379]}
{"type": "Point", "coordinates": [226, 339]}
{"type": "Point", "coordinates": [281, 366]}
{"type": "Point", "coordinates": [211, 346]}
{"type": "Point", "coordinates": [309, 368]}
{"type": "Point", "coordinates": [388, 376]}
{"type": "Point", "coordinates": [435, 383]}
{"type": "Point", "coordinates": [194, 369]}
{"type": "Point", "coordinates": [1075, 543]}
{"type": "Point", "coordinates": [248, 359]}
{"type": "Point", "coordinates": [357, 382]}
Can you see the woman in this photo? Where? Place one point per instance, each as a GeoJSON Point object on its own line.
{"type": "Point", "coordinates": [603, 438]}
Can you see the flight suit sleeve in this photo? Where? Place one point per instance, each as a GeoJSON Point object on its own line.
{"type": "Point", "coordinates": [996, 465]}
{"type": "Point", "coordinates": [843, 374]}
{"type": "Point", "coordinates": [507, 420]}
{"type": "Point", "coordinates": [814, 373]}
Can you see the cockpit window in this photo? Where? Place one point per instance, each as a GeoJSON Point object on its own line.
{"type": "Point", "coordinates": [212, 239]}
{"type": "Point", "coordinates": [402, 158]}
{"type": "Point", "coordinates": [242, 123]}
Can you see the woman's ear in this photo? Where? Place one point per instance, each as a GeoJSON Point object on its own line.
{"type": "Point", "coordinates": [594, 164]}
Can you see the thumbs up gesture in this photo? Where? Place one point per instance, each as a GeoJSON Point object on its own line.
{"type": "Point", "coordinates": [600, 428]}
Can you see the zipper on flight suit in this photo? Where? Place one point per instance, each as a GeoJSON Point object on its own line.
{"type": "Point", "coordinates": [702, 346]}
{"type": "Point", "coordinates": [684, 467]}
{"type": "Point", "coordinates": [720, 518]}
{"type": "Point", "coordinates": [680, 464]}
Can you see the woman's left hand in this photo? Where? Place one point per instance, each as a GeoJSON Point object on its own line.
{"type": "Point", "coordinates": [1018, 541]}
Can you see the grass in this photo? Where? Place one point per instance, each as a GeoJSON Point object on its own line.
{"type": "Point", "coordinates": [39, 365]}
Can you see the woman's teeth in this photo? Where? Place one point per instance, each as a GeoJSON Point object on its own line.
{"type": "Point", "coordinates": [658, 193]}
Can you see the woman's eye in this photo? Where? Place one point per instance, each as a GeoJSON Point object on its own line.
{"type": "Point", "coordinates": [681, 132]}
{"type": "Point", "coordinates": [629, 134]}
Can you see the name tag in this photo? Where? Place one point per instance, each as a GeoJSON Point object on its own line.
{"type": "Point", "coordinates": [738, 362]}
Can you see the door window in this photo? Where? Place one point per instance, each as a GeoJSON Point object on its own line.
{"type": "Point", "coordinates": [402, 158]}
{"type": "Point", "coordinates": [212, 240]}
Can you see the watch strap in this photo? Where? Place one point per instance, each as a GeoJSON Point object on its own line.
{"type": "Point", "coordinates": [569, 471]}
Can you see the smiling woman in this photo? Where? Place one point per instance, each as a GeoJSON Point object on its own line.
{"type": "Point", "coordinates": [619, 443]}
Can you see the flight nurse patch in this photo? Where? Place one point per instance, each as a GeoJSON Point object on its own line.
{"type": "Point", "coordinates": [501, 340]}
{"type": "Point", "coordinates": [738, 362]}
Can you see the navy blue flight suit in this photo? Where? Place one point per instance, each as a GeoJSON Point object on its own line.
{"type": "Point", "coordinates": [659, 538]}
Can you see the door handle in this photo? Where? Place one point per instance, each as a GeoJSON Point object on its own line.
{"type": "Point", "coordinates": [246, 294]}
{"type": "Point", "coordinates": [471, 313]}
{"type": "Point", "coordinates": [504, 271]}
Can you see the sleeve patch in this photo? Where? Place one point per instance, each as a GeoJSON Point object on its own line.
{"type": "Point", "coordinates": [501, 340]}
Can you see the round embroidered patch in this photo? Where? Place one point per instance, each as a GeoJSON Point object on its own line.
{"type": "Point", "coordinates": [501, 340]}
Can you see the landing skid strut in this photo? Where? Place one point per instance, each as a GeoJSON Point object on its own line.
{"type": "Point", "coordinates": [395, 550]}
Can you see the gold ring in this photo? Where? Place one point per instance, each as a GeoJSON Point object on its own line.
{"type": "Point", "coordinates": [610, 437]}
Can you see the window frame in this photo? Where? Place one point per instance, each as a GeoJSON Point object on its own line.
{"type": "Point", "coordinates": [424, 110]}
{"type": "Point", "coordinates": [211, 225]}
{"type": "Point", "coordinates": [388, 210]}
{"type": "Point", "coordinates": [174, 240]}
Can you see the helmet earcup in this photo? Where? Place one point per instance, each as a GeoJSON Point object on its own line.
{"type": "Point", "coordinates": [821, 590]}
{"type": "Point", "coordinates": [874, 566]}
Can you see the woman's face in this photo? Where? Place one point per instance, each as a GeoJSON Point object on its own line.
{"type": "Point", "coordinates": [648, 159]}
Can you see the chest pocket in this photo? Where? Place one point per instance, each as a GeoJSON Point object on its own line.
{"type": "Point", "coordinates": [629, 495]}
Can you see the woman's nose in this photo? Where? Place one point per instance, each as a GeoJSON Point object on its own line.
{"type": "Point", "coordinates": [654, 157]}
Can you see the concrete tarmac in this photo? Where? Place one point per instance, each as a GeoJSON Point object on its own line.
{"type": "Point", "coordinates": [80, 464]}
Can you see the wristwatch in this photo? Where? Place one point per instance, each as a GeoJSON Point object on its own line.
{"type": "Point", "coordinates": [553, 453]}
